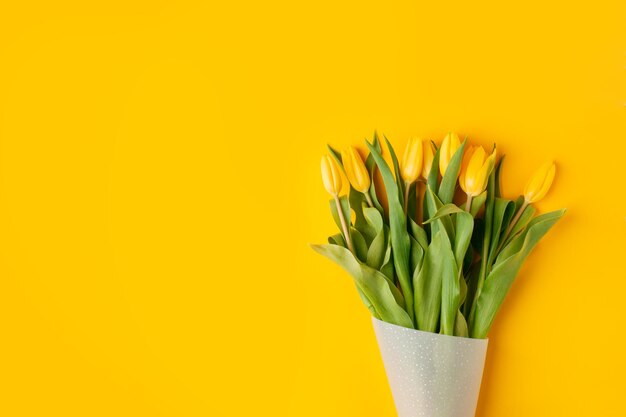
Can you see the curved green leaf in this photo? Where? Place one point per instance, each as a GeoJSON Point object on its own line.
{"type": "Point", "coordinates": [370, 164]}
{"type": "Point", "coordinates": [360, 247]}
{"type": "Point", "coordinates": [501, 277]}
{"type": "Point", "coordinates": [373, 285]}
{"type": "Point", "coordinates": [417, 255]}
{"type": "Point", "coordinates": [377, 250]}
{"type": "Point", "coordinates": [486, 243]}
{"type": "Point", "coordinates": [464, 227]}
{"type": "Point", "coordinates": [345, 207]}
{"type": "Point", "coordinates": [503, 210]}
{"type": "Point", "coordinates": [400, 241]}
{"type": "Point", "coordinates": [337, 240]}
{"type": "Point", "coordinates": [373, 218]}
{"type": "Point", "coordinates": [498, 170]}
{"type": "Point", "coordinates": [448, 182]}
{"type": "Point", "coordinates": [450, 286]}
{"type": "Point", "coordinates": [396, 170]}
{"type": "Point", "coordinates": [477, 203]}
{"type": "Point", "coordinates": [419, 234]}
{"type": "Point", "coordinates": [427, 284]}
{"type": "Point", "coordinates": [460, 326]}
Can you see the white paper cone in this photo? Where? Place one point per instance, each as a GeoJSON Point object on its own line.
{"type": "Point", "coordinates": [431, 375]}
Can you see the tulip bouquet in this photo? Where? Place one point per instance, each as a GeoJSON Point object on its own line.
{"type": "Point", "coordinates": [435, 258]}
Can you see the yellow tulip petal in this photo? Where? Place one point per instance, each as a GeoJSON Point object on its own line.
{"type": "Point", "coordinates": [331, 176]}
{"type": "Point", "coordinates": [355, 169]}
{"type": "Point", "coordinates": [540, 183]}
{"type": "Point", "coordinates": [464, 163]}
{"type": "Point", "coordinates": [449, 146]}
{"type": "Point", "coordinates": [411, 165]}
{"type": "Point", "coordinates": [429, 155]}
{"type": "Point", "coordinates": [483, 175]}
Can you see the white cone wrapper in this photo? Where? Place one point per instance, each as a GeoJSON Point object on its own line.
{"type": "Point", "coordinates": [431, 375]}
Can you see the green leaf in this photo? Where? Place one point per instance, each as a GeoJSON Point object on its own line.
{"type": "Point", "coordinates": [373, 285]}
{"type": "Point", "coordinates": [448, 182]}
{"type": "Point", "coordinates": [345, 207]}
{"type": "Point", "coordinates": [478, 235]}
{"type": "Point", "coordinates": [506, 220]}
{"type": "Point", "coordinates": [503, 209]}
{"type": "Point", "coordinates": [417, 254]}
{"type": "Point", "coordinates": [396, 170]}
{"type": "Point", "coordinates": [427, 284]}
{"type": "Point", "coordinates": [377, 250]}
{"type": "Point", "coordinates": [464, 227]}
{"type": "Point", "coordinates": [463, 290]}
{"type": "Point", "coordinates": [450, 286]}
{"type": "Point", "coordinates": [400, 242]}
{"type": "Point", "coordinates": [521, 224]}
{"type": "Point", "coordinates": [433, 175]}
{"type": "Point", "coordinates": [460, 326]}
{"type": "Point", "coordinates": [486, 244]}
{"type": "Point", "coordinates": [373, 218]}
{"type": "Point", "coordinates": [516, 244]}
{"type": "Point", "coordinates": [360, 247]}
{"type": "Point", "coordinates": [370, 164]}
{"type": "Point", "coordinates": [478, 202]}
{"type": "Point", "coordinates": [442, 221]}
{"type": "Point", "coordinates": [498, 170]}
{"type": "Point", "coordinates": [337, 240]}
{"type": "Point", "coordinates": [501, 277]}
{"type": "Point", "coordinates": [472, 280]}
{"type": "Point", "coordinates": [445, 211]}
{"type": "Point", "coordinates": [357, 204]}
{"type": "Point", "coordinates": [336, 154]}
{"type": "Point", "coordinates": [419, 234]}
{"type": "Point", "coordinates": [367, 303]}
{"type": "Point", "coordinates": [387, 268]}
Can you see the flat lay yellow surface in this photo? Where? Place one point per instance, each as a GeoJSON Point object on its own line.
{"type": "Point", "coordinates": [159, 186]}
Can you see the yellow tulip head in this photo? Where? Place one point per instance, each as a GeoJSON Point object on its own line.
{"type": "Point", "coordinates": [540, 183]}
{"type": "Point", "coordinates": [475, 170]}
{"type": "Point", "coordinates": [411, 166]}
{"type": "Point", "coordinates": [449, 146]}
{"type": "Point", "coordinates": [429, 155]}
{"type": "Point", "coordinates": [331, 175]}
{"type": "Point", "coordinates": [355, 170]}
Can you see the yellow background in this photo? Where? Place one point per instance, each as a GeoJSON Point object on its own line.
{"type": "Point", "coordinates": [159, 183]}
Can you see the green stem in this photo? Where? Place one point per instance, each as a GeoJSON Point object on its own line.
{"type": "Point", "coordinates": [344, 226]}
{"type": "Point", "coordinates": [511, 226]}
{"type": "Point", "coordinates": [407, 186]}
{"type": "Point", "coordinates": [368, 198]}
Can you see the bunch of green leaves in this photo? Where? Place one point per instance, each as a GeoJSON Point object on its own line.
{"type": "Point", "coordinates": [447, 272]}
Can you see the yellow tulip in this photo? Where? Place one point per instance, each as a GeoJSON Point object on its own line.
{"type": "Point", "coordinates": [355, 170]}
{"type": "Point", "coordinates": [331, 175]}
{"type": "Point", "coordinates": [449, 147]}
{"type": "Point", "coordinates": [411, 166]}
{"type": "Point", "coordinates": [540, 183]}
{"type": "Point", "coordinates": [475, 170]}
{"type": "Point", "coordinates": [429, 155]}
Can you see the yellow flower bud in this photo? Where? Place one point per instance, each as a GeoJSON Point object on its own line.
{"type": "Point", "coordinates": [449, 146]}
{"type": "Point", "coordinates": [411, 166]}
{"type": "Point", "coordinates": [540, 183]}
{"type": "Point", "coordinates": [355, 170]}
{"type": "Point", "coordinates": [475, 170]}
{"type": "Point", "coordinates": [429, 155]}
{"type": "Point", "coordinates": [331, 175]}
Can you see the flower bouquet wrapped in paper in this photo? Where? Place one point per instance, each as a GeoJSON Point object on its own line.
{"type": "Point", "coordinates": [433, 264]}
